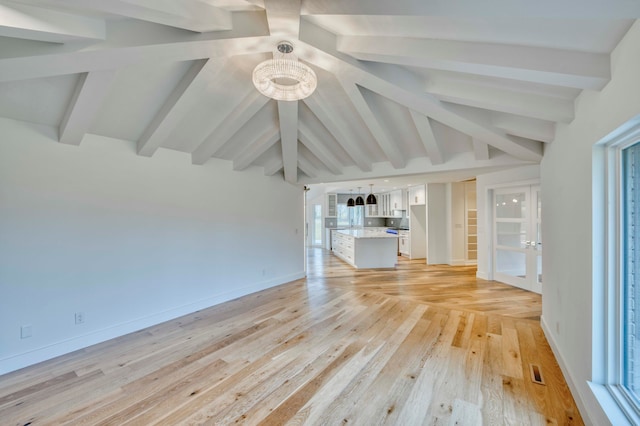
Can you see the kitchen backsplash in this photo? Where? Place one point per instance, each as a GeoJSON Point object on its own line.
{"type": "Point", "coordinates": [331, 222]}
{"type": "Point", "coordinates": [397, 222]}
{"type": "Point", "coordinates": [391, 222]}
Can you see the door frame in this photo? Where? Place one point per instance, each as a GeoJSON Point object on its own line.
{"type": "Point", "coordinates": [489, 223]}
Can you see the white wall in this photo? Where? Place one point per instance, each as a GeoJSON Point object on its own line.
{"type": "Point", "coordinates": [569, 258]}
{"type": "Point", "coordinates": [457, 246]}
{"type": "Point", "coordinates": [128, 240]}
{"type": "Point", "coordinates": [437, 224]}
{"type": "Point", "coordinates": [484, 186]}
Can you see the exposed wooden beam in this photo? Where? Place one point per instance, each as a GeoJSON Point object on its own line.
{"type": "Point", "coordinates": [100, 58]}
{"type": "Point", "coordinates": [571, 9]}
{"type": "Point", "coordinates": [193, 15]}
{"type": "Point", "coordinates": [308, 168]}
{"type": "Point", "coordinates": [523, 103]}
{"type": "Point", "coordinates": [557, 67]}
{"type": "Point", "coordinates": [256, 149]}
{"type": "Point", "coordinates": [337, 129]}
{"type": "Point", "coordinates": [525, 127]}
{"type": "Point", "coordinates": [408, 93]}
{"type": "Point", "coordinates": [288, 116]}
{"type": "Point", "coordinates": [378, 133]}
{"type": "Point", "coordinates": [250, 105]}
{"type": "Point", "coordinates": [463, 162]}
{"type": "Point", "coordinates": [91, 90]}
{"type": "Point", "coordinates": [283, 17]}
{"type": "Point", "coordinates": [178, 104]}
{"type": "Point", "coordinates": [318, 149]}
{"type": "Point", "coordinates": [36, 23]}
{"type": "Point", "coordinates": [480, 150]}
{"type": "Point", "coordinates": [431, 144]}
{"type": "Point", "coordinates": [273, 166]}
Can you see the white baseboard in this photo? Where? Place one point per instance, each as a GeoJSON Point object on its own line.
{"type": "Point", "coordinates": [482, 275]}
{"type": "Point", "coordinates": [16, 362]}
{"type": "Point", "coordinates": [575, 392]}
{"type": "Point", "coordinates": [457, 262]}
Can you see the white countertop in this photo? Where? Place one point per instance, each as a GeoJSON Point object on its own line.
{"type": "Point", "coordinates": [367, 233]}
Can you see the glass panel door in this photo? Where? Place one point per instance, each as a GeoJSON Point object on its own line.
{"type": "Point", "coordinates": [516, 239]}
{"type": "Point", "coordinates": [316, 235]}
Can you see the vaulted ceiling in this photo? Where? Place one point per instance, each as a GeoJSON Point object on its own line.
{"type": "Point", "coordinates": [404, 87]}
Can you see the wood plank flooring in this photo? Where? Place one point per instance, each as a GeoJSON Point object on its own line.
{"type": "Point", "coordinates": [410, 346]}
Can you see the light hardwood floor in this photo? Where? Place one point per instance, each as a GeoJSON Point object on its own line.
{"type": "Point", "coordinates": [411, 346]}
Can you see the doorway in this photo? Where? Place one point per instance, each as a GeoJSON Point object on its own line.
{"type": "Point", "coordinates": [517, 244]}
{"type": "Point", "coordinates": [316, 226]}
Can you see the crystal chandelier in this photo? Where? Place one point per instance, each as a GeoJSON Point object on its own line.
{"type": "Point", "coordinates": [283, 78]}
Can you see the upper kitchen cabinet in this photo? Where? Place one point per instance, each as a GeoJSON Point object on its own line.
{"type": "Point", "coordinates": [396, 202]}
{"type": "Point", "coordinates": [417, 195]}
{"type": "Point", "coordinates": [373, 210]}
{"type": "Point", "coordinates": [332, 205]}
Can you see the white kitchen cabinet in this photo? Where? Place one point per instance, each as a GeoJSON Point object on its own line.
{"type": "Point", "coordinates": [383, 202]}
{"type": "Point", "coordinates": [404, 246]}
{"type": "Point", "coordinates": [395, 203]}
{"type": "Point", "coordinates": [417, 195]}
{"type": "Point", "coordinates": [367, 248]}
{"type": "Point", "coordinates": [373, 210]}
{"type": "Point", "coordinates": [332, 205]}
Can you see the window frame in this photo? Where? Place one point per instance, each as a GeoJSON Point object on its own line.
{"type": "Point", "coordinates": [609, 316]}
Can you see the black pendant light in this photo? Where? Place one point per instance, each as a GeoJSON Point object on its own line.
{"type": "Point", "coordinates": [359, 199]}
{"type": "Point", "coordinates": [350, 201]}
{"type": "Point", "coordinates": [371, 199]}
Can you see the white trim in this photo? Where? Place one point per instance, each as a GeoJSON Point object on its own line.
{"type": "Point", "coordinates": [26, 359]}
{"type": "Point", "coordinates": [482, 276]}
{"type": "Point", "coordinates": [575, 390]}
{"type": "Point", "coordinates": [607, 355]}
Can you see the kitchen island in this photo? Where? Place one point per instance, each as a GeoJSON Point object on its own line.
{"type": "Point", "coordinates": [366, 248]}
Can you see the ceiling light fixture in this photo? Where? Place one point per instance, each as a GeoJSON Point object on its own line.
{"type": "Point", "coordinates": [371, 199]}
{"type": "Point", "coordinates": [350, 202]}
{"type": "Point", "coordinates": [359, 199]}
{"type": "Point", "coordinates": [284, 78]}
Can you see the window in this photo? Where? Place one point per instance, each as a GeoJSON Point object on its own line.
{"type": "Point", "coordinates": [616, 280]}
{"type": "Point", "coordinates": [350, 217]}
{"type": "Point", "coordinates": [630, 277]}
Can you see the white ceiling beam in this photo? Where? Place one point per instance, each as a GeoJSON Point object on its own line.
{"type": "Point", "coordinates": [178, 104]}
{"type": "Point", "coordinates": [338, 130]}
{"type": "Point", "coordinates": [91, 90]}
{"type": "Point", "coordinates": [480, 150]}
{"type": "Point", "coordinates": [249, 106]}
{"type": "Point", "coordinates": [273, 166]}
{"type": "Point", "coordinates": [408, 93]}
{"type": "Point", "coordinates": [557, 67]}
{"type": "Point", "coordinates": [378, 133]}
{"type": "Point", "coordinates": [63, 63]}
{"type": "Point", "coordinates": [572, 9]}
{"type": "Point", "coordinates": [256, 149]}
{"type": "Point", "coordinates": [192, 15]}
{"type": "Point", "coordinates": [35, 23]}
{"type": "Point", "coordinates": [464, 162]}
{"type": "Point", "coordinates": [431, 144]}
{"type": "Point", "coordinates": [525, 127]}
{"type": "Point", "coordinates": [317, 148]}
{"type": "Point", "coordinates": [288, 117]}
{"type": "Point", "coordinates": [477, 124]}
{"type": "Point", "coordinates": [308, 168]}
{"type": "Point", "coordinates": [283, 17]}
{"type": "Point", "coordinates": [504, 100]}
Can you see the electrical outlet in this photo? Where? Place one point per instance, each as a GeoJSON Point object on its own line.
{"type": "Point", "coordinates": [79, 317]}
{"type": "Point", "coordinates": [25, 331]}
